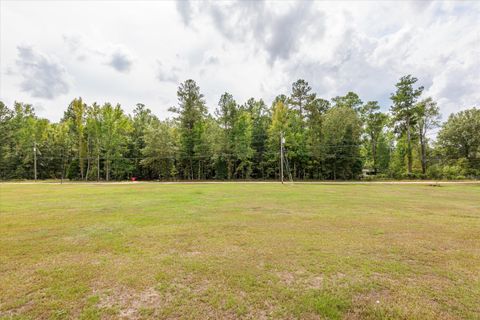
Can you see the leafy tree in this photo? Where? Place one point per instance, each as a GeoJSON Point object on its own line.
{"type": "Point", "coordinates": [160, 150]}
{"type": "Point", "coordinates": [342, 130]}
{"type": "Point", "coordinates": [428, 117]}
{"type": "Point", "coordinates": [226, 116]}
{"type": "Point", "coordinates": [242, 140]}
{"type": "Point", "coordinates": [76, 113]}
{"type": "Point", "coordinates": [296, 146]}
{"type": "Point", "coordinates": [143, 119]}
{"type": "Point", "coordinates": [115, 129]}
{"type": "Point", "coordinates": [459, 137]}
{"type": "Point", "coordinates": [403, 111]}
{"type": "Point", "coordinates": [260, 122]}
{"type": "Point", "coordinates": [242, 144]}
{"type": "Point", "coordinates": [279, 124]}
{"type": "Point", "coordinates": [350, 100]}
{"type": "Point", "coordinates": [300, 100]}
{"type": "Point", "coordinates": [6, 140]}
{"type": "Point", "coordinates": [94, 133]}
{"type": "Point", "coordinates": [396, 167]}
{"type": "Point", "coordinates": [280, 98]}
{"type": "Point", "coordinates": [226, 111]}
{"type": "Point", "coordinates": [62, 146]}
{"type": "Point", "coordinates": [374, 124]}
{"type": "Point", "coordinates": [191, 113]}
{"type": "Point", "coordinates": [25, 136]}
{"type": "Point", "coordinates": [385, 145]}
{"type": "Point", "coordinates": [315, 117]}
{"type": "Point", "coordinates": [301, 96]}
{"type": "Point", "coordinates": [207, 138]}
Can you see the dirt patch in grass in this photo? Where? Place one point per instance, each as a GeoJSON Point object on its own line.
{"type": "Point", "coordinates": [129, 303]}
{"type": "Point", "coordinates": [239, 251]}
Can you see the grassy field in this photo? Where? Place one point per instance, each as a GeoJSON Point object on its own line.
{"type": "Point", "coordinates": [146, 250]}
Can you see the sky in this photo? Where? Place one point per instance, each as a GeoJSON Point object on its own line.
{"type": "Point", "coordinates": [131, 52]}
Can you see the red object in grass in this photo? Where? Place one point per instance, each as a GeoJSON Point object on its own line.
{"type": "Point", "coordinates": [134, 178]}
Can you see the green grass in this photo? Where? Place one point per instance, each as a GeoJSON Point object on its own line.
{"type": "Point", "coordinates": [93, 251]}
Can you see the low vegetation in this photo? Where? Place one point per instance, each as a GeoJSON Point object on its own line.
{"type": "Point", "coordinates": [147, 250]}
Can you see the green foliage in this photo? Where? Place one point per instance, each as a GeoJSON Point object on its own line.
{"type": "Point", "coordinates": [260, 122]}
{"type": "Point", "coordinates": [142, 121]}
{"type": "Point", "coordinates": [114, 137]}
{"type": "Point", "coordinates": [404, 112]}
{"type": "Point", "coordinates": [459, 140]}
{"type": "Point", "coordinates": [75, 117]}
{"type": "Point", "coordinates": [301, 96]}
{"type": "Point", "coordinates": [428, 117]}
{"type": "Point", "coordinates": [191, 113]}
{"type": "Point", "coordinates": [6, 140]}
{"type": "Point", "coordinates": [160, 150]}
{"type": "Point", "coordinates": [278, 125]}
{"type": "Point", "coordinates": [374, 127]}
{"type": "Point", "coordinates": [460, 137]}
{"type": "Point", "coordinates": [227, 113]}
{"type": "Point", "coordinates": [341, 131]}
{"type": "Point", "coordinates": [323, 140]}
{"type": "Point", "coordinates": [350, 100]}
{"type": "Point", "coordinates": [242, 144]}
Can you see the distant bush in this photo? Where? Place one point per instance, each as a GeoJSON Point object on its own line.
{"type": "Point", "coordinates": [434, 172]}
{"type": "Point", "coordinates": [382, 176]}
{"type": "Point", "coordinates": [456, 170]}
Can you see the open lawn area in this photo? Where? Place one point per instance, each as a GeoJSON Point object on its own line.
{"type": "Point", "coordinates": [225, 251]}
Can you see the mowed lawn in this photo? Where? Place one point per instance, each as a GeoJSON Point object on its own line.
{"type": "Point", "coordinates": [225, 251]}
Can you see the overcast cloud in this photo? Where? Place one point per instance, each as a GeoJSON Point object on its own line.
{"type": "Point", "coordinates": [130, 52]}
{"type": "Point", "coordinates": [120, 61]}
{"type": "Point", "coordinates": [41, 75]}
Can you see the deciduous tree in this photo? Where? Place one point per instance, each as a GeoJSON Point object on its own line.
{"type": "Point", "coordinates": [403, 111]}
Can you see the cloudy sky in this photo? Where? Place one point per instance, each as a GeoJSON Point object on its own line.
{"type": "Point", "coordinates": [130, 51]}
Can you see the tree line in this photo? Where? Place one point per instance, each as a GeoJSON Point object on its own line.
{"type": "Point", "coordinates": [339, 139]}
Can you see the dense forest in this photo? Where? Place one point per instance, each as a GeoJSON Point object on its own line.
{"type": "Point", "coordinates": [339, 139]}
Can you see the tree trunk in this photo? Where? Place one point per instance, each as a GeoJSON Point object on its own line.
{"type": "Point", "coordinates": [88, 159]}
{"type": "Point", "coordinates": [409, 148]}
{"type": "Point", "coordinates": [88, 169]}
{"type": "Point", "coordinates": [98, 167]}
{"type": "Point", "coordinates": [423, 148]}
{"type": "Point", "coordinates": [191, 169]}
{"type": "Point", "coordinates": [229, 169]}
{"type": "Point", "coordinates": [199, 169]}
{"type": "Point", "coordinates": [63, 167]}
{"type": "Point", "coordinates": [80, 162]}
{"type": "Point", "coordinates": [107, 169]}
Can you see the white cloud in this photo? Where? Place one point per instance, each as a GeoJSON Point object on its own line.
{"type": "Point", "coordinates": [167, 74]}
{"type": "Point", "coordinates": [43, 76]}
{"type": "Point", "coordinates": [130, 52]}
{"type": "Point", "coordinates": [120, 59]}
{"type": "Point", "coordinates": [184, 8]}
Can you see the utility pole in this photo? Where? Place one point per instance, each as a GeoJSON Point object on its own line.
{"type": "Point", "coordinates": [35, 160]}
{"type": "Point", "coordinates": [282, 141]}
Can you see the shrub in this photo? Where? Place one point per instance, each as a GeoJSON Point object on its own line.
{"type": "Point", "coordinates": [434, 172]}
